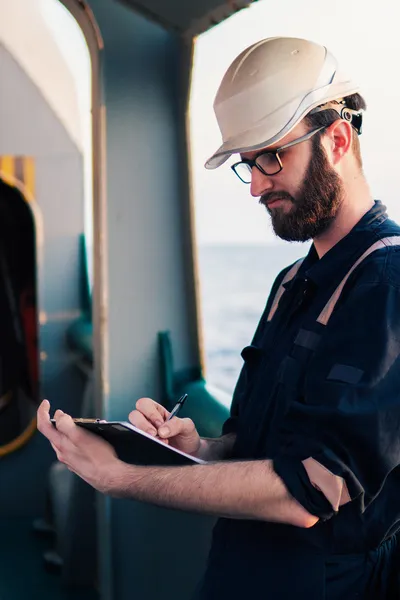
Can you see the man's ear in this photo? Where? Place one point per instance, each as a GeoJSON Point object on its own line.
{"type": "Point", "coordinates": [338, 140]}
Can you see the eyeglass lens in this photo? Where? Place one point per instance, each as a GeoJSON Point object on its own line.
{"type": "Point", "coordinates": [268, 162]}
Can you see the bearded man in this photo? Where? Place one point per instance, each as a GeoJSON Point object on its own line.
{"type": "Point", "coordinates": [305, 477]}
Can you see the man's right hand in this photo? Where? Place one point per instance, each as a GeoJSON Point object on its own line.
{"type": "Point", "coordinates": [180, 433]}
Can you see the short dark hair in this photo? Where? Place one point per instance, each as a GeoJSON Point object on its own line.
{"type": "Point", "coordinates": [324, 118]}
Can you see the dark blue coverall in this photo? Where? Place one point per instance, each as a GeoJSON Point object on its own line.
{"type": "Point", "coordinates": [331, 393]}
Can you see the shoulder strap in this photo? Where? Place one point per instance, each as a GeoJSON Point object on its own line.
{"type": "Point", "coordinates": [289, 275]}
{"type": "Point", "coordinates": [330, 305]}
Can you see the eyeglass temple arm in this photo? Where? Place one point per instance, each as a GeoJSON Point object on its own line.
{"type": "Point", "coordinates": [303, 138]}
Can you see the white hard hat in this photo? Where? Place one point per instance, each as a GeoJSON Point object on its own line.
{"type": "Point", "coordinates": [269, 88]}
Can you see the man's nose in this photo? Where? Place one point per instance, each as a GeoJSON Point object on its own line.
{"type": "Point", "coordinates": [260, 183]}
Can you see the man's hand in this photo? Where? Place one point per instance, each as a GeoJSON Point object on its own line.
{"type": "Point", "coordinates": [180, 433]}
{"type": "Point", "coordinates": [238, 490]}
{"type": "Point", "coordinates": [84, 453]}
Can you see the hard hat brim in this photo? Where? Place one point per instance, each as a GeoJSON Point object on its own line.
{"type": "Point", "coordinates": [275, 127]}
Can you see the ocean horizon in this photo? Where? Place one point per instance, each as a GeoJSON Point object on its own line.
{"type": "Point", "coordinates": [235, 281]}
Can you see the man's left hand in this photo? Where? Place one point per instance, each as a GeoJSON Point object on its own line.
{"type": "Point", "coordinates": [84, 453]}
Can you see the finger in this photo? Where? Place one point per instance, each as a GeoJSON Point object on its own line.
{"type": "Point", "coordinates": [73, 437]}
{"type": "Point", "coordinates": [44, 425]}
{"type": "Point", "coordinates": [66, 426]}
{"type": "Point", "coordinates": [153, 411]}
{"type": "Point", "coordinates": [163, 440]}
{"type": "Point", "coordinates": [176, 426]}
{"type": "Point", "coordinates": [58, 413]}
{"type": "Point", "coordinates": [139, 420]}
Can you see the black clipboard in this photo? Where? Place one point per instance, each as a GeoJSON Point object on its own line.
{"type": "Point", "coordinates": [135, 446]}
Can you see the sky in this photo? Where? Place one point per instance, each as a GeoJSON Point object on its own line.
{"type": "Point", "coordinates": [364, 38]}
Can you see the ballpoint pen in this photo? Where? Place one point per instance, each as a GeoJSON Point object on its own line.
{"type": "Point", "coordinates": [177, 407]}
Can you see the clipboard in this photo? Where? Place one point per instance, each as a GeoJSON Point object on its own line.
{"type": "Point", "coordinates": [135, 446]}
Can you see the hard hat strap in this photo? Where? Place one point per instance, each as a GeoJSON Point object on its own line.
{"type": "Point", "coordinates": [354, 117]}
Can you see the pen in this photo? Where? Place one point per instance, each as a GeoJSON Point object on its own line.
{"type": "Point", "coordinates": [177, 407]}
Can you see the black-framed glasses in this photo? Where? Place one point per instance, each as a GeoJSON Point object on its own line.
{"type": "Point", "coordinates": [269, 163]}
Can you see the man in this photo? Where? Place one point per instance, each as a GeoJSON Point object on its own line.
{"type": "Point", "coordinates": [309, 503]}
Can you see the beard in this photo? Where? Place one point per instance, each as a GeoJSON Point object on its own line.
{"type": "Point", "coordinates": [315, 206]}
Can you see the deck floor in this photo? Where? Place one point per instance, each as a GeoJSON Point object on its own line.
{"type": "Point", "coordinates": [22, 574]}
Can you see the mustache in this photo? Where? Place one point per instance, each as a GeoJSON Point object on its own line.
{"type": "Point", "coordinates": [265, 199]}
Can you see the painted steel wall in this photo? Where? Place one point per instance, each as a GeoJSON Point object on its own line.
{"type": "Point", "coordinates": [28, 127]}
{"type": "Point", "coordinates": [189, 18]}
{"type": "Point", "coordinates": [150, 286]}
{"type": "Point", "coordinates": [150, 277]}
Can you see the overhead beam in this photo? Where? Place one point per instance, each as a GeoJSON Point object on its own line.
{"type": "Point", "coordinates": [187, 18]}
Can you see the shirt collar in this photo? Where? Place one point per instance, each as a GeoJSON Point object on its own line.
{"type": "Point", "coordinates": [339, 259]}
